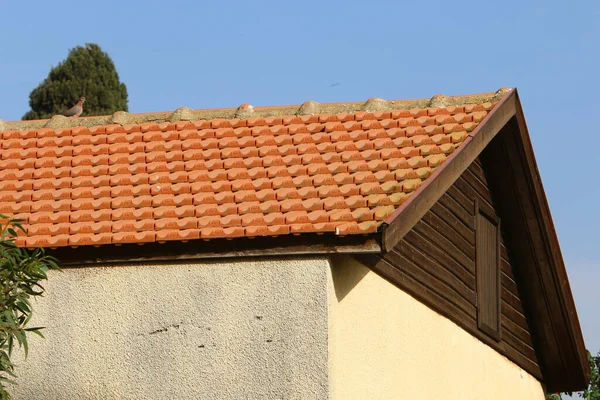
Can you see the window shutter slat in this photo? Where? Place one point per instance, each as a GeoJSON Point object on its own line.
{"type": "Point", "coordinates": [487, 250]}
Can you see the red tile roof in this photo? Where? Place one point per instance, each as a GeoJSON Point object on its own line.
{"type": "Point", "coordinates": [339, 168]}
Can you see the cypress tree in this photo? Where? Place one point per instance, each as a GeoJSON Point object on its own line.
{"type": "Point", "coordinates": [88, 71]}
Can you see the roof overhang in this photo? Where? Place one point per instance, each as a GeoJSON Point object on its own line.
{"type": "Point", "coordinates": [289, 245]}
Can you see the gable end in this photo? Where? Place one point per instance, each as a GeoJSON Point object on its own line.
{"type": "Point", "coordinates": [437, 263]}
{"type": "Point", "coordinates": [536, 298]}
{"type": "Point", "coordinates": [510, 164]}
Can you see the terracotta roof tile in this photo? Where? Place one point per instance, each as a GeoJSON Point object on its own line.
{"type": "Point", "coordinates": [50, 218]}
{"type": "Point", "coordinates": [357, 228]}
{"type": "Point", "coordinates": [390, 186]}
{"type": "Point", "coordinates": [173, 212]}
{"type": "Point", "coordinates": [91, 228]}
{"type": "Point", "coordinates": [398, 198]}
{"type": "Point", "coordinates": [47, 241]}
{"type": "Point", "coordinates": [92, 216]}
{"type": "Point", "coordinates": [93, 204]}
{"type": "Point", "coordinates": [363, 214]}
{"type": "Point", "coordinates": [307, 193]}
{"type": "Point", "coordinates": [177, 234]}
{"type": "Point", "coordinates": [230, 233]}
{"type": "Point", "coordinates": [341, 172]}
{"type": "Point", "coordinates": [224, 197]}
{"type": "Point", "coordinates": [341, 215]}
{"type": "Point", "coordinates": [51, 183]}
{"type": "Point", "coordinates": [90, 239]}
{"type": "Point", "coordinates": [369, 188]}
{"type": "Point", "coordinates": [285, 193]}
{"type": "Point", "coordinates": [334, 203]}
{"type": "Point", "coordinates": [133, 237]}
{"type": "Point", "coordinates": [274, 218]}
{"type": "Point", "coordinates": [49, 229]}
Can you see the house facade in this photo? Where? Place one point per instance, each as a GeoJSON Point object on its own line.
{"type": "Point", "coordinates": [374, 250]}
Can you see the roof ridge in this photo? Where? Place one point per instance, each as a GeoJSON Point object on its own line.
{"type": "Point", "coordinates": [246, 111]}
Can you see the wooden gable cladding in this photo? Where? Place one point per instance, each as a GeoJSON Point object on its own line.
{"type": "Point", "coordinates": [512, 172]}
{"type": "Point", "coordinates": [537, 307]}
{"type": "Point", "coordinates": [436, 262]}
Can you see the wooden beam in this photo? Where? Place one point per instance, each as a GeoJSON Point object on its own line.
{"type": "Point", "coordinates": [289, 245]}
{"type": "Point", "coordinates": [408, 214]}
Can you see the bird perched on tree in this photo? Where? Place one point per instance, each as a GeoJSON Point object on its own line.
{"type": "Point", "coordinates": [76, 110]}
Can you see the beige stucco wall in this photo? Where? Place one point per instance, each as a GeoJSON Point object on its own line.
{"type": "Point", "coordinates": [210, 330]}
{"type": "Point", "coordinates": [254, 329]}
{"type": "Point", "coordinates": [386, 345]}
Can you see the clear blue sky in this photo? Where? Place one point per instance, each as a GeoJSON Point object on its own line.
{"type": "Point", "coordinates": [204, 54]}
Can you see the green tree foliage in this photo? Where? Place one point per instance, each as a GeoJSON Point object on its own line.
{"type": "Point", "coordinates": [593, 391]}
{"type": "Point", "coordinates": [20, 274]}
{"type": "Point", "coordinates": [88, 71]}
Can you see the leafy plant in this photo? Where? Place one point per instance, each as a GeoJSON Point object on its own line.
{"type": "Point", "coordinates": [593, 391]}
{"type": "Point", "coordinates": [20, 274]}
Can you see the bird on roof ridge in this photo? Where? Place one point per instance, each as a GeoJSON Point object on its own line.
{"type": "Point", "coordinates": [77, 109]}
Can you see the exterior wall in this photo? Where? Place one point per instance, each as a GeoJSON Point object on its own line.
{"type": "Point", "coordinates": [230, 330]}
{"type": "Point", "coordinates": [387, 345]}
{"type": "Point", "coordinates": [270, 329]}
{"type": "Point", "coordinates": [435, 262]}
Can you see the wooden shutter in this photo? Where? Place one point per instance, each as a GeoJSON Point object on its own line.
{"type": "Point", "coordinates": [487, 250]}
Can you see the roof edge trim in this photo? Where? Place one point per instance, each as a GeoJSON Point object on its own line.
{"type": "Point", "coordinates": [560, 282]}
